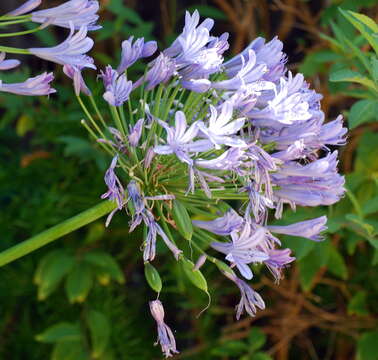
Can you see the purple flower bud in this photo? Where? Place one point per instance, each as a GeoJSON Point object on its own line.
{"type": "Point", "coordinates": [201, 260]}
{"type": "Point", "coordinates": [25, 7]}
{"type": "Point", "coordinates": [35, 86]}
{"type": "Point", "coordinates": [69, 52]}
{"type": "Point", "coordinates": [7, 64]}
{"type": "Point", "coordinates": [136, 132]}
{"type": "Point", "coordinates": [131, 52]}
{"type": "Point", "coordinates": [74, 12]}
{"type": "Point", "coordinates": [166, 338]}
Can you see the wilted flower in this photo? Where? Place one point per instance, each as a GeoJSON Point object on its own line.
{"type": "Point", "coordinates": [166, 338]}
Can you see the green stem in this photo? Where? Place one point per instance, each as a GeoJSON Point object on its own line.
{"type": "Point", "coordinates": [22, 32]}
{"type": "Point", "coordinates": [12, 22]}
{"type": "Point", "coordinates": [93, 102]}
{"type": "Point", "coordinates": [12, 50]}
{"type": "Point", "coordinates": [57, 231]}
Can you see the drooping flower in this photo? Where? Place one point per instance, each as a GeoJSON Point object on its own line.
{"type": "Point", "coordinates": [35, 86]}
{"type": "Point", "coordinates": [115, 191]}
{"type": "Point", "coordinates": [74, 73]}
{"type": "Point", "coordinates": [76, 13]}
{"type": "Point", "coordinates": [250, 299]}
{"type": "Point", "coordinates": [70, 52]}
{"type": "Point", "coordinates": [166, 338]}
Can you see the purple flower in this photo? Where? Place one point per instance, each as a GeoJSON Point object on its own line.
{"type": "Point", "coordinates": [166, 338]}
{"type": "Point", "coordinates": [136, 132]}
{"type": "Point", "coordinates": [269, 54]}
{"type": "Point", "coordinates": [131, 52]}
{"type": "Point", "coordinates": [196, 85]}
{"type": "Point", "coordinates": [230, 160]}
{"type": "Point", "coordinates": [161, 71]}
{"type": "Point", "coordinates": [25, 7]}
{"type": "Point", "coordinates": [74, 12]}
{"type": "Point", "coordinates": [115, 189]}
{"type": "Point", "coordinates": [244, 249]}
{"type": "Point", "coordinates": [196, 53]}
{"type": "Point", "coordinates": [333, 132]}
{"type": "Point", "coordinates": [323, 167]}
{"type": "Point", "coordinates": [288, 105]}
{"type": "Point", "coordinates": [249, 73]}
{"type": "Point", "coordinates": [35, 86]}
{"type": "Point", "coordinates": [117, 87]}
{"type": "Point", "coordinates": [8, 64]}
{"type": "Point", "coordinates": [79, 85]}
{"type": "Point", "coordinates": [278, 259]}
{"type": "Point", "coordinates": [231, 221]}
{"type": "Point", "coordinates": [69, 52]}
{"type": "Point", "coordinates": [221, 126]}
{"type": "Point", "coordinates": [309, 229]}
{"type": "Point", "coordinates": [179, 139]}
{"type": "Point", "coordinates": [141, 213]}
{"type": "Point", "coordinates": [250, 299]}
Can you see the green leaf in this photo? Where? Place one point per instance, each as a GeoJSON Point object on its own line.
{"type": "Point", "coordinates": [100, 332]}
{"type": "Point", "coordinates": [366, 26]}
{"type": "Point", "coordinates": [261, 356]}
{"type": "Point", "coordinates": [363, 111]}
{"type": "Point", "coordinates": [152, 277]}
{"type": "Point", "coordinates": [79, 283]}
{"type": "Point", "coordinates": [69, 350]}
{"type": "Point", "coordinates": [256, 339]}
{"type": "Point", "coordinates": [51, 271]}
{"type": "Point", "coordinates": [371, 206]}
{"type": "Point", "coordinates": [182, 220]}
{"type": "Point", "coordinates": [336, 264]}
{"type": "Point", "coordinates": [357, 304]}
{"type": "Point", "coordinates": [195, 276]}
{"type": "Point", "coordinates": [106, 263]}
{"type": "Point", "coordinates": [311, 263]}
{"type": "Point", "coordinates": [367, 346]}
{"type": "Point", "coordinates": [352, 76]}
{"type": "Point", "coordinates": [63, 331]}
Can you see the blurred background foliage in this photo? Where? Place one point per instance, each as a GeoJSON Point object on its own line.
{"type": "Point", "coordinates": [86, 297]}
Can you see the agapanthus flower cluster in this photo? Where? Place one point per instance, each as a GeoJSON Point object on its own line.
{"type": "Point", "coordinates": [79, 16]}
{"type": "Point", "coordinates": [195, 132]}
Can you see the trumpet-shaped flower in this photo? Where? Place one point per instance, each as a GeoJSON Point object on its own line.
{"type": "Point", "coordinates": [74, 12]}
{"type": "Point", "coordinates": [70, 52]}
{"type": "Point", "coordinates": [35, 86]}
